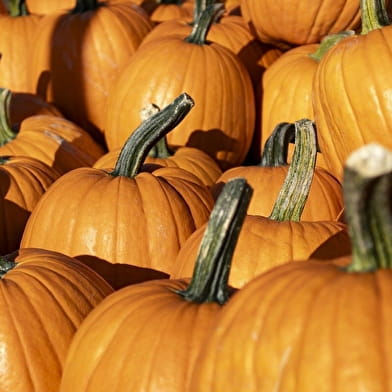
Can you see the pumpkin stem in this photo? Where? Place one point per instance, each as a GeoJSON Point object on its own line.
{"type": "Point", "coordinates": [161, 150]}
{"type": "Point", "coordinates": [141, 141]}
{"type": "Point", "coordinates": [295, 190]}
{"type": "Point", "coordinates": [84, 6]}
{"type": "Point", "coordinates": [6, 132]}
{"type": "Point", "coordinates": [203, 23]}
{"type": "Point", "coordinates": [373, 15]}
{"type": "Point", "coordinates": [276, 146]}
{"type": "Point", "coordinates": [6, 266]}
{"type": "Point", "coordinates": [199, 7]}
{"type": "Point", "coordinates": [329, 41]}
{"type": "Point", "coordinates": [17, 8]}
{"type": "Point", "coordinates": [367, 187]}
{"type": "Point", "coordinates": [211, 273]}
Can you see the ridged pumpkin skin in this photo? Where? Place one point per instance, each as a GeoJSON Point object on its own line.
{"type": "Point", "coordinates": [190, 159]}
{"type": "Point", "coordinates": [82, 60]}
{"type": "Point", "coordinates": [162, 330]}
{"type": "Point", "coordinates": [15, 43]}
{"type": "Point", "coordinates": [337, 340]}
{"type": "Point", "coordinates": [164, 12]}
{"type": "Point", "coordinates": [264, 244]}
{"type": "Point", "coordinates": [222, 121]}
{"type": "Point", "coordinates": [293, 23]}
{"type": "Point", "coordinates": [23, 181]}
{"type": "Point", "coordinates": [325, 200]}
{"type": "Point", "coordinates": [44, 299]}
{"type": "Point", "coordinates": [49, 6]}
{"type": "Point", "coordinates": [352, 96]}
{"type": "Point", "coordinates": [141, 221]}
{"type": "Point", "coordinates": [55, 141]}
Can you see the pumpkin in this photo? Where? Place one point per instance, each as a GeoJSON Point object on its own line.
{"type": "Point", "coordinates": [80, 60]}
{"type": "Point", "coordinates": [325, 200]}
{"type": "Point", "coordinates": [17, 28]}
{"type": "Point", "coordinates": [165, 322]}
{"type": "Point", "coordinates": [124, 223]}
{"type": "Point", "coordinates": [54, 140]}
{"type": "Point", "coordinates": [288, 24]}
{"type": "Point", "coordinates": [351, 93]}
{"type": "Point", "coordinates": [171, 10]}
{"type": "Point", "coordinates": [310, 326]}
{"type": "Point", "coordinates": [43, 7]}
{"type": "Point", "coordinates": [280, 237]}
{"type": "Point", "coordinates": [226, 137]}
{"type": "Point", "coordinates": [45, 297]}
{"type": "Point", "coordinates": [23, 181]}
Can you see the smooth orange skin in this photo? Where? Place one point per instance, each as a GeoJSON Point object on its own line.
{"type": "Point", "coordinates": [193, 160]}
{"type": "Point", "coordinates": [307, 326]}
{"type": "Point", "coordinates": [81, 60]}
{"type": "Point", "coordinates": [233, 33]}
{"type": "Point", "coordinates": [222, 121]}
{"type": "Point", "coordinates": [165, 12]}
{"type": "Point", "coordinates": [287, 24]}
{"type": "Point", "coordinates": [142, 338]}
{"type": "Point", "coordinates": [23, 181]}
{"type": "Point", "coordinates": [49, 6]}
{"type": "Point", "coordinates": [352, 96]}
{"type": "Point", "coordinates": [325, 200]}
{"type": "Point", "coordinates": [264, 244]}
{"type": "Point", "coordinates": [43, 301]}
{"type": "Point", "coordinates": [15, 44]}
{"type": "Point", "coordinates": [55, 141]}
{"type": "Point", "coordinates": [106, 221]}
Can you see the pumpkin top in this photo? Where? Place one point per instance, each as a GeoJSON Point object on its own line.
{"type": "Point", "coordinates": [17, 8]}
{"type": "Point", "coordinates": [373, 15]}
{"type": "Point", "coordinates": [6, 266]}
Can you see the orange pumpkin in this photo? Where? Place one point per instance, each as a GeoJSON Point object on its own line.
{"type": "Point", "coordinates": [311, 326]}
{"type": "Point", "coordinates": [43, 7]}
{"type": "Point", "coordinates": [159, 358]}
{"type": "Point", "coordinates": [44, 298]}
{"type": "Point", "coordinates": [222, 122]}
{"type": "Point", "coordinates": [124, 217]}
{"type": "Point", "coordinates": [81, 60]}
{"type": "Point", "coordinates": [23, 181]}
{"type": "Point", "coordinates": [352, 90]}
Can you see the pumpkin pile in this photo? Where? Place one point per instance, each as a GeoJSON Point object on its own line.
{"type": "Point", "coordinates": [196, 195]}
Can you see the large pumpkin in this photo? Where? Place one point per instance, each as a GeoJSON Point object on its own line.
{"type": "Point", "coordinates": [222, 122]}
{"type": "Point", "coordinates": [312, 326]}
{"type": "Point", "coordinates": [124, 217]}
{"type": "Point", "coordinates": [44, 298]}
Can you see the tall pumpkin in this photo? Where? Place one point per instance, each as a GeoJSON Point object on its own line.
{"type": "Point", "coordinates": [75, 60]}
{"type": "Point", "coordinates": [311, 326]}
{"type": "Point", "coordinates": [222, 122]}
{"type": "Point", "coordinates": [352, 89]}
{"type": "Point", "coordinates": [124, 223]}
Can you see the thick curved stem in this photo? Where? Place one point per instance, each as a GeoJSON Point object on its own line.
{"type": "Point", "coordinates": [211, 274]}
{"type": "Point", "coordinates": [328, 42]}
{"type": "Point", "coordinates": [6, 266]}
{"type": "Point", "coordinates": [147, 135]}
{"type": "Point", "coordinates": [367, 187]}
{"type": "Point", "coordinates": [161, 150]}
{"type": "Point", "coordinates": [373, 15]}
{"type": "Point", "coordinates": [202, 25]}
{"type": "Point", "coordinates": [6, 132]}
{"type": "Point", "coordinates": [295, 190]}
{"type": "Point", "coordinates": [17, 8]}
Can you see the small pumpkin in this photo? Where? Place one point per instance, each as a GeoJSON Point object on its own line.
{"type": "Point", "coordinates": [44, 298]}
{"type": "Point", "coordinates": [129, 223]}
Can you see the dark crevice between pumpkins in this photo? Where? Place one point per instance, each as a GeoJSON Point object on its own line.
{"type": "Point", "coordinates": [6, 131]}
{"type": "Point", "coordinates": [85, 6]}
{"type": "Point", "coordinates": [211, 273]}
{"type": "Point", "coordinates": [294, 193]}
{"type": "Point", "coordinates": [146, 136]}
{"type": "Point", "coordinates": [367, 189]}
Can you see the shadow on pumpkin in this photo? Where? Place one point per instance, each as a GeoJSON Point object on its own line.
{"type": "Point", "coordinates": [215, 142]}
{"type": "Point", "coordinates": [120, 275]}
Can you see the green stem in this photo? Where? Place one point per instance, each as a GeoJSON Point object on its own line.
{"type": "Point", "coordinates": [85, 5]}
{"type": "Point", "coordinates": [200, 6]}
{"type": "Point", "coordinates": [17, 8]}
{"type": "Point", "coordinates": [211, 273]}
{"type": "Point", "coordinates": [161, 150]}
{"type": "Point", "coordinates": [276, 147]}
{"type": "Point", "coordinates": [202, 25]}
{"type": "Point", "coordinates": [6, 266]}
{"type": "Point", "coordinates": [6, 132]}
{"type": "Point", "coordinates": [367, 187]}
{"type": "Point", "coordinates": [148, 133]}
{"type": "Point", "coordinates": [295, 190]}
{"type": "Point", "coordinates": [328, 42]}
{"type": "Point", "coordinates": [374, 15]}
